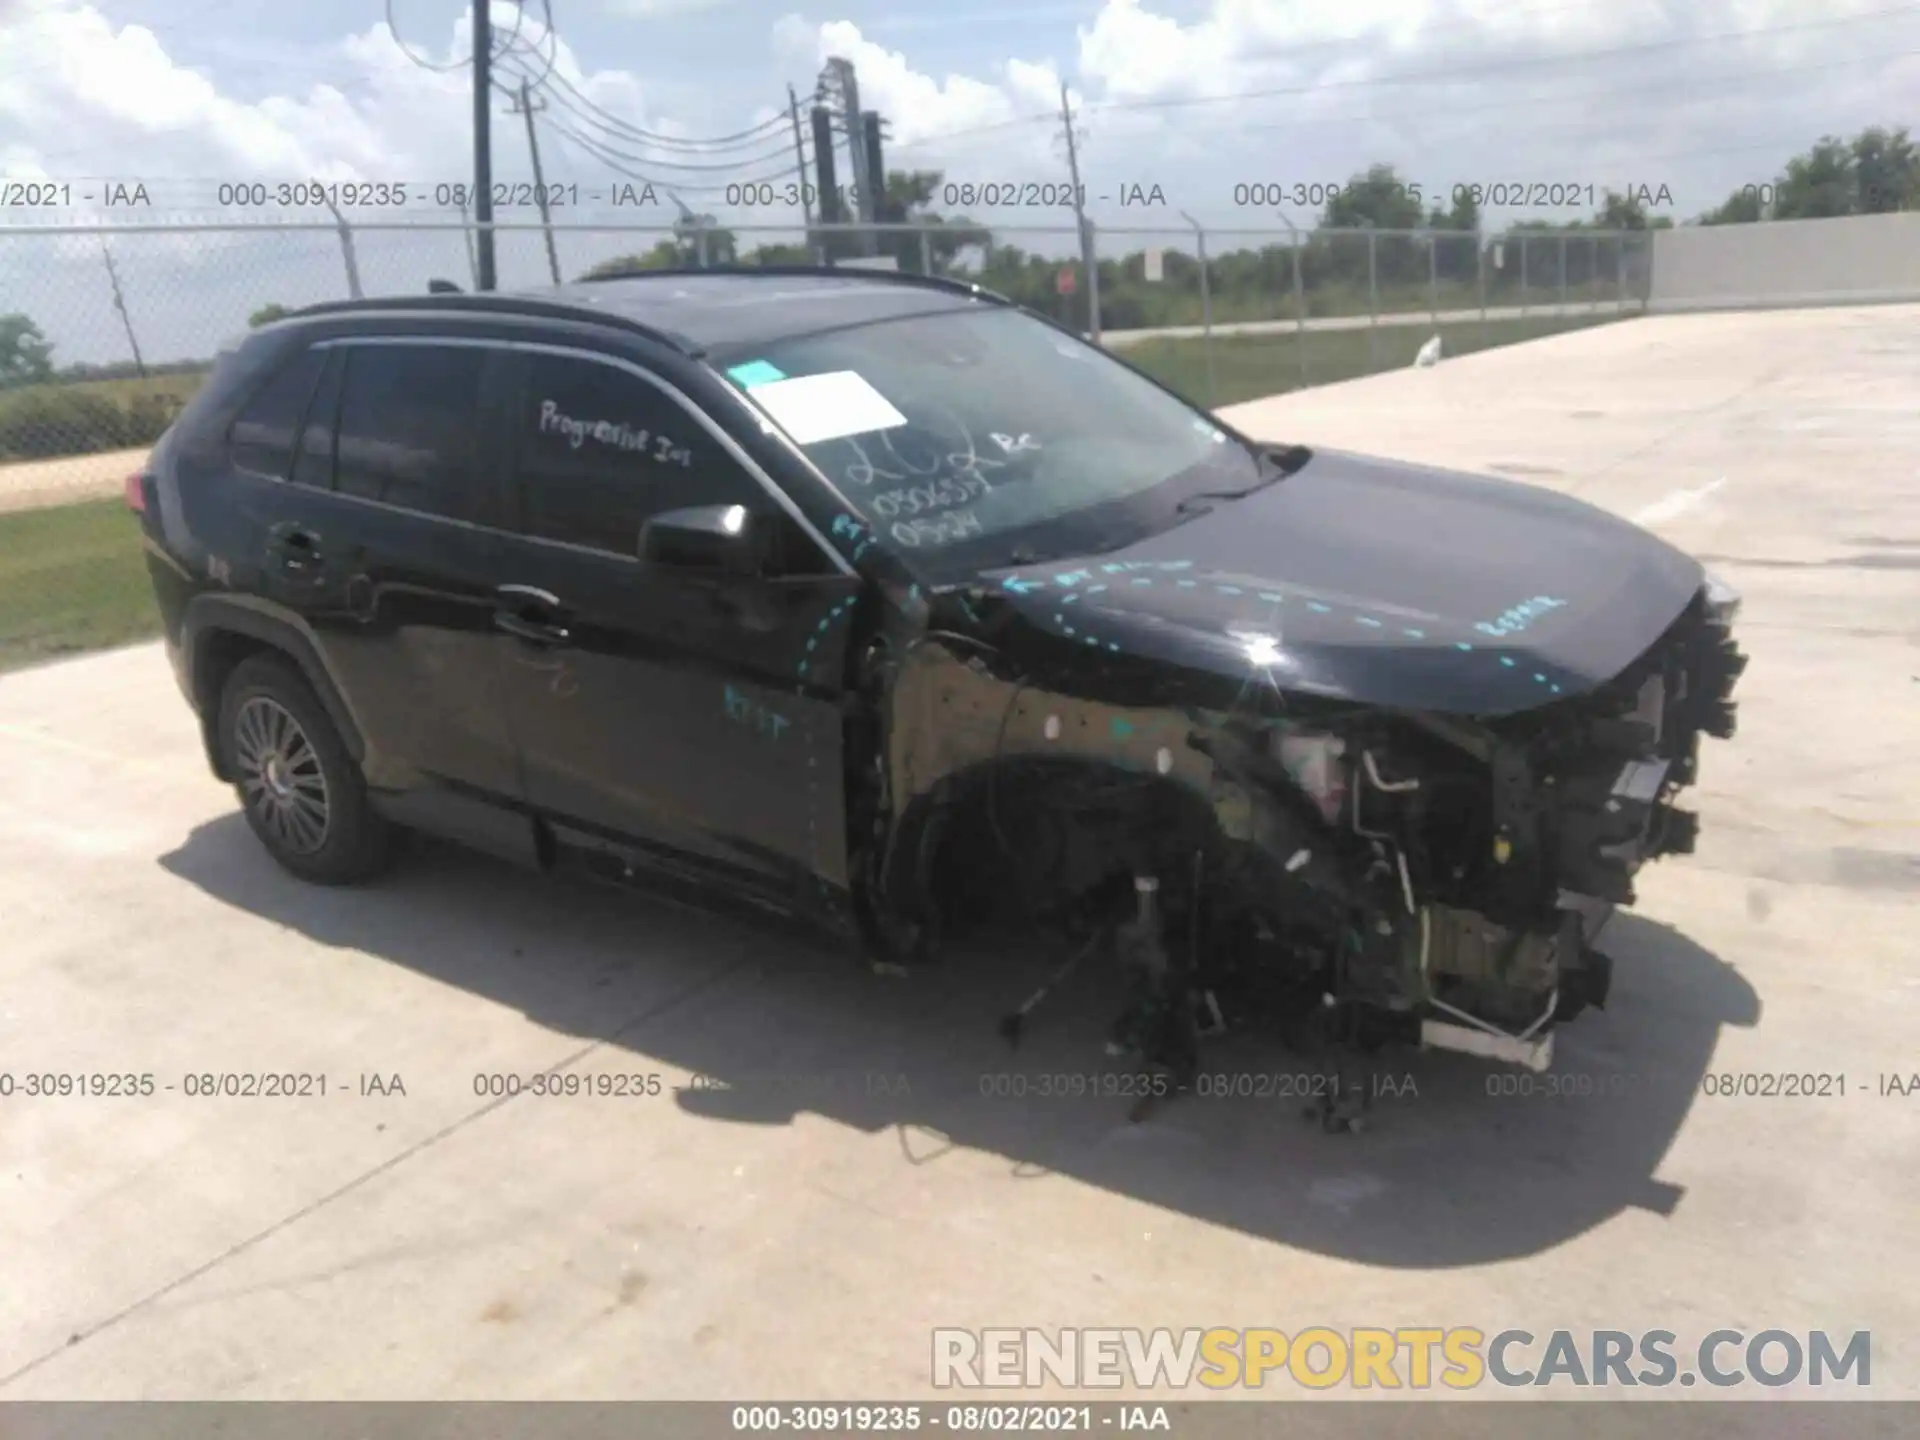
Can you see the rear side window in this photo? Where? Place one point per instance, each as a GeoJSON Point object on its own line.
{"type": "Point", "coordinates": [262, 438]}
{"type": "Point", "coordinates": [313, 460]}
{"type": "Point", "coordinates": [408, 432]}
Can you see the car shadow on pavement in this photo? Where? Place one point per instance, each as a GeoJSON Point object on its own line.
{"type": "Point", "coordinates": [1461, 1162]}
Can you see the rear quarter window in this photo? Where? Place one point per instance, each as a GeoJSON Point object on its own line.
{"type": "Point", "coordinates": [263, 435]}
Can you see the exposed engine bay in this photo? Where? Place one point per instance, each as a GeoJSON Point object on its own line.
{"type": "Point", "coordinates": [1410, 876]}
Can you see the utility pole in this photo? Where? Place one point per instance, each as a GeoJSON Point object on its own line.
{"type": "Point", "coordinates": [830, 213]}
{"type": "Point", "coordinates": [524, 106]}
{"type": "Point", "coordinates": [800, 159]}
{"type": "Point", "coordinates": [483, 140]}
{"type": "Point", "coordinates": [120, 304]}
{"type": "Point", "coordinates": [1088, 261]}
{"type": "Point", "coordinates": [839, 82]}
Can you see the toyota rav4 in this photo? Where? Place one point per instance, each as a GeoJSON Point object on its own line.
{"type": "Point", "coordinates": [877, 600]}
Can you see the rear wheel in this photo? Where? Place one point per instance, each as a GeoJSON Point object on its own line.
{"type": "Point", "coordinates": [303, 795]}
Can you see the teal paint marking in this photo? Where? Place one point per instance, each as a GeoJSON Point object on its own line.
{"type": "Point", "coordinates": [1121, 728]}
{"type": "Point", "coordinates": [743, 709]}
{"type": "Point", "coordinates": [756, 372]}
{"type": "Point", "coordinates": [1367, 620]}
{"type": "Point", "coordinates": [834, 612]}
{"type": "Point", "coordinates": [1519, 617]}
{"type": "Point", "coordinates": [1507, 660]}
{"type": "Point", "coordinates": [1414, 634]}
{"type": "Point", "coordinates": [1021, 587]}
{"type": "Point", "coordinates": [1462, 645]}
{"type": "Point", "coordinates": [1318, 608]}
{"type": "Point", "coordinates": [1121, 567]}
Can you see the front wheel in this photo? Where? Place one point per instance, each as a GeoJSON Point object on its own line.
{"type": "Point", "coordinates": [302, 793]}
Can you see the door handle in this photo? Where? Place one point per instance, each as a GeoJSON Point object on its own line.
{"type": "Point", "coordinates": [531, 614]}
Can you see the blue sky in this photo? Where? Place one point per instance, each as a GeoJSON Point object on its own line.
{"type": "Point", "coordinates": [1194, 96]}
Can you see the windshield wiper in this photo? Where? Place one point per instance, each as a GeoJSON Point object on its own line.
{"type": "Point", "coordinates": [1281, 463]}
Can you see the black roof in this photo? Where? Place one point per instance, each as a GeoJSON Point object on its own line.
{"type": "Point", "coordinates": [714, 307]}
{"type": "Point", "coordinates": [756, 305]}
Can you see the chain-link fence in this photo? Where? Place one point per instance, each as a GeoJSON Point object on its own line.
{"type": "Point", "coordinates": [105, 331]}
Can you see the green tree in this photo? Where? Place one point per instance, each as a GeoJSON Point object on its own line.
{"type": "Point", "coordinates": [778, 255]}
{"type": "Point", "coordinates": [908, 199]}
{"type": "Point", "coordinates": [1819, 184]}
{"type": "Point", "coordinates": [664, 255]}
{"type": "Point", "coordinates": [682, 252]}
{"type": "Point", "coordinates": [26, 355]}
{"type": "Point", "coordinates": [1379, 198]}
{"type": "Point", "coordinates": [721, 246]}
{"type": "Point", "coordinates": [1621, 212]}
{"type": "Point", "coordinates": [1886, 171]}
{"type": "Point", "coordinates": [267, 314]}
{"type": "Point", "coordinates": [1742, 207]}
{"type": "Point", "coordinates": [1875, 172]}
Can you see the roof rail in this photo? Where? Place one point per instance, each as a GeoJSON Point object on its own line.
{"type": "Point", "coordinates": [491, 302]}
{"type": "Point", "coordinates": [898, 277]}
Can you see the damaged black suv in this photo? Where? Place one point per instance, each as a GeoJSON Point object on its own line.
{"type": "Point", "coordinates": [878, 600]}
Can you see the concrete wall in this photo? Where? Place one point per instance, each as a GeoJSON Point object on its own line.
{"type": "Point", "coordinates": [1849, 260]}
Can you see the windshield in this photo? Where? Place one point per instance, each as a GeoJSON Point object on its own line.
{"type": "Point", "coordinates": [979, 436]}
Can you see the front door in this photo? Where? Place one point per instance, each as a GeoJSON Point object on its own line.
{"type": "Point", "coordinates": [697, 721]}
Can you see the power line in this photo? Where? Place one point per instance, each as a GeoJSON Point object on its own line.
{"type": "Point", "coordinates": [549, 36]}
{"type": "Point", "coordinates": [606, 120]}
{"type": "Point", "coordinates": [773, 138]}
{"type": "Point", "coordinates": [612, 162]}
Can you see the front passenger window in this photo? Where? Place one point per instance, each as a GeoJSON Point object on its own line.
{"type": "Point", "coordinates": [600, 451]}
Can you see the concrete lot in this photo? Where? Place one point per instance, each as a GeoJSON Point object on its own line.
{"type": "Point", "coordinates": [441, 1245]}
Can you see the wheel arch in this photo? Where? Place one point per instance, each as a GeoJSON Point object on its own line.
{"type": "Point", "coordinates": [219, 631]}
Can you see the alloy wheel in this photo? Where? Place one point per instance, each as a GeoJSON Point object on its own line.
{"type": "Point", "coordinates": [280, 774]}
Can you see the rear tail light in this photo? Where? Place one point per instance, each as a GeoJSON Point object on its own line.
{"type": "Point", "coordinates": [137, 492]}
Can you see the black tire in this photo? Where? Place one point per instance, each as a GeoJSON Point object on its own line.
{"type": "Point", "coordinates": [301, 792]}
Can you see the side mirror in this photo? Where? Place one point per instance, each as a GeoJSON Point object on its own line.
{"type": "Point", "coordinates": [713, 539]}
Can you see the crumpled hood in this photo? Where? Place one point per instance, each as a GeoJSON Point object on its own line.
{"type": "Point", "coordinates": [1381, 582]}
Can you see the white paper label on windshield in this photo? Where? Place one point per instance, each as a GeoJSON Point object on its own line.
{"type": "Point", "coordinates": [812, 408]}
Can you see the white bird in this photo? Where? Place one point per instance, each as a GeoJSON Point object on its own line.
{"type": "Point", "coordinates": [1429, 353]}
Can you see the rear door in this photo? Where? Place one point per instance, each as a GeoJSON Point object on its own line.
{"type": "Point", "coordinates": [385, 543]}
{"type": "Point", "coordinates": [698, 722]}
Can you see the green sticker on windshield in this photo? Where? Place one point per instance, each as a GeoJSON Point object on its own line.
{"type": "Point", "coordinates": [756, 372]}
